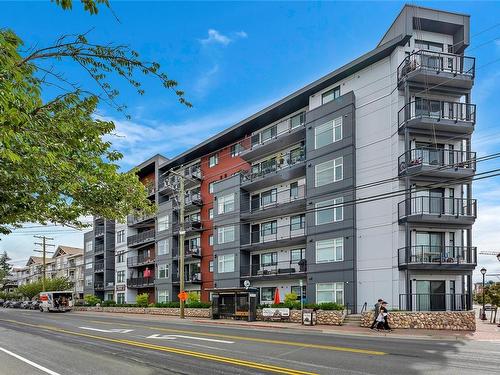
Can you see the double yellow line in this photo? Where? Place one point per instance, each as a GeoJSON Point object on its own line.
{"type": "Point", "coordinates": [216, 358]}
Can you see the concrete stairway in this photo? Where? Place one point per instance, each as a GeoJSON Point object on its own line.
{"type": "Point", "coordinates": [352, 320]}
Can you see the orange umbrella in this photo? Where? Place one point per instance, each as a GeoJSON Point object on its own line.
{"type": "Point", "coordinates": [277, 296]}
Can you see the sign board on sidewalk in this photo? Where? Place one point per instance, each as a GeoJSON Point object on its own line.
{"type": "Point", "coordinates": [182, 296]}
{"type": "Point", "coordinates": [277, 312]}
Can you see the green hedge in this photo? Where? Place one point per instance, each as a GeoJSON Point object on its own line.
{"type": "Point", "coordinates": [316, 306]}
{"type": "Point", "coordinates": [192, 305]}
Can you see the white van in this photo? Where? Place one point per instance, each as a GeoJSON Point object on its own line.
{"type": "Point", "coordinates": [56, 301]}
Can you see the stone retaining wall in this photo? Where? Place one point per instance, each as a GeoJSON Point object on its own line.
{"type": "Point", "coordinates": [327, 317]}
{"type": "Point", "coordinates": [171, 311]}
{"type": "Point", "coordinates": [450, 320]}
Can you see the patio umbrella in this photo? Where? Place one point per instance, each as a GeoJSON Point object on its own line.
{"type": "Point", "coordinates": [277, 296]}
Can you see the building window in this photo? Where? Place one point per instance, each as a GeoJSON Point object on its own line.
{"type": "Point", "coordinates": [297, 120]}
{"type": "Point", "coordinates": [120, 276]}
{"type": "Point", "coordinates": [297, 222]}
{"type": "Point", "coordinates": [296, 255]}
{"type": "Point", "coordinates": [88, 280]}
{"type": "Point", "coordinates": [120, 298]}
{"type": "Point", "coordinates": [225, 203]}
{"type": "Point", "coordinates": [267, 294]}
{"type": "Point", "coordinates": [331, 250]}
{"type": "Point", "coordinates": [268, 197]}
{"type": "Point", "coordinates": [269, 228]}
{"type": "Point", "coordinates": [88, 246]}
{"type": "Point", "coordinates": [225, 263]}
{"type": "Point", "coordinates": [330, 292]}
{"type": "Point", "coordinates": [162, 223]}
{"type": "Point", "coordinates": [269, 259]}
{"type": "Point", "coordinates": [88, 264]}
{"type": "Point", "coordinates": [211, 240]}
{"type": "Point", "coordinates": [268, 133]}
{"type": "Point", "coordinates": [163, 271]}
{"type": "Point", "coordinates": [213, 160]}
{"type": "Point", "coordinates": [329, 171]}
{"type": "Point", "coordinates": [328, 133]}
{"type": "Point", "coordinates": [329, 211]}
{"type": "Point", "coordinates": [296, 290]}
{"type": "Point", "coordinates": [163, 247]}
{"type": "Point", "coordinates": [211, 213]}
{"type": "Point", "coordinates": [120, 257]}
{"type": "Point", "coordinates": [330, 95]}
{"type": "Point", "coordinates": [211, 187]}
{"type": "Point", "coordinates": [163, 296]}
{"type": "Point", "coordinates": [110, 296]}
{"type": "Point", "coordinates": [211, 266]}
{"type": "Point", "coordinates": [236, 149]}
{"type": "Point", "coordinates": [225, 234]}
{"type": "Point", "coordinates": [120, 236]}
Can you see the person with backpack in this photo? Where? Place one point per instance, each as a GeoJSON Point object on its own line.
{"type": "Point", "coordinates": [377, 311]}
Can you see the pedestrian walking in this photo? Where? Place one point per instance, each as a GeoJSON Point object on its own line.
{"type": "Point", "coordinates": [377, 311]}
{"type": "Point", "coordinates": [383, 318]}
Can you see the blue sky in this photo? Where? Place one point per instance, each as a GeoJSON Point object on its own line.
{"type": "Point", "coordinates": [233, 59]}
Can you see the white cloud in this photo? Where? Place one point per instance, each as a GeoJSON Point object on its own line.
{"type": "Point", "coordinates": [206, 81]}
{"type": "Point", "coordinates": [216, 37]}
{"type": "Point", "coordinates": [241, 34]}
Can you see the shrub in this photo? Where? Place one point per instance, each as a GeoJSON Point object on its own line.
{"type": "Point", "coordinates": [109, 303]}
{"type": "Point", "coordinates": [91, 300]}
{"type": "Point", "coordinates": [193, 297]}
{"type": "Point", "coordinates": [142, 300]}
{"type": "Point", "coordinates": [330, 306]}
{"type": "Point", "coordinates": [290, 297]}
{"type": "Point", "coordinates": [167, 304]}
{"type": "Point", "coordinates": [198, 305]}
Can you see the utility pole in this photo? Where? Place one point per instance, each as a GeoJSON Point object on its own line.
{"type": "Point", "coordinates": [44, 252]}
{"type": "Point", "coordinates": [182, 233]}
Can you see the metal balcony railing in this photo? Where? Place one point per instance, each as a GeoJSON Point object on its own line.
{"type": "Point", "coordinates": [98, 266]}
{"type": "Point", "coordinates": [150, 188]}
{"type": "Point", "coordinates": [140, 238]}
{"type": "Point", "coordinates": [437, 255]}
{"type": "Point", "coordinates": [274, 165]}
{"type": "Point", "coordinates": [276, 198]}
{"type": "Point", "coordinates": [140, 282]}
{"type": "Point", "coordinates": [437, 206]}
{"type": "Point", "coordinates": [194, 277]}
{"type": "Point", "coordinates": [275, 234]}
{"type": "Point", "coordinates": [141, 260]}
{"type": "Point", "coordinates": [98, 285]}
{"type": "Point", "coordinates": [440, 158]}
{"type": "Point", "coordinates": [434, 302]}
{"type": "Point", "coordinates": [98, 231]}
{"type": "Point", "coordinates": [274, 268]}
{"type": "Point", "coordinates": [437, 62]}
{"type": "Point", "coordinates": [98, 249]}
{"type": "Point", "coordinates": [437, 109]}
{"type": "Point", "coordinates": [132, 219]}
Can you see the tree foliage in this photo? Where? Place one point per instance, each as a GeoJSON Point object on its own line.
{"type": "Point", "coordinates": [34, 288]}
{"type": "Point", "coordinates": [55, 164]}
{"type": "Point", "coordinates": [5, 267]}
{"type": "Point", "coordinates": [491, 294]}
{"type": "Point", "coordinates": [90, 6]}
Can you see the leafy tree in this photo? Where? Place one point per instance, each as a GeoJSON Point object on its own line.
{"type": "Point", "coordinates": [91, 300]}
{"type": "Point", "coordinates": [142, 300]}
{"type": "Point", "coordinates": [55, 165]}
{"type": "Point", "coordinates": [33, 289]}
{"type": "Point", "coordinates": [5, 267]}
{"type": "Point", "coordinates": [491, 294]}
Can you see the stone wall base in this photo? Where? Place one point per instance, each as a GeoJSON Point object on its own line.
{"type": "Point", "coordinates": [170, 311]}
{"type": "Point", "coordinates": [450, 320]}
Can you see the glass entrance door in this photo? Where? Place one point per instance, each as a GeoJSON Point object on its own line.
{"type": "Point", "coordinates": [431, 295]}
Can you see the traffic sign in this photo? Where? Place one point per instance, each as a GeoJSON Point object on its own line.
{"type": "Point", "coordinates": [183, 296]}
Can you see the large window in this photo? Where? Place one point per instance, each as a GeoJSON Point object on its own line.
{"type": "Point", "coordinates": [88, 280]}
{"type": "Point", "coordinates": [236, 149]}
{"type": "Point", "coordinates": [297, 120]}
{"type": "Point", "coordinates": [211, 240]}
{"type": "Point", "coordinates": [297, 222]}
{"type": "Point", "coordinates": [163, 296]}
{"type": "Point", "coordinates": [225, 203]}
{"type": "Point", "coordinates": [225, 234]}
{"type": "Point", "coordinates": [120, 257]}
{"type": "Point", "coordinates": [225, 263]}
{"type": "Point", "coordinates": [296, 290]}
{"type": "Point", "coordinates": [267, 294]}
{"type": "Point", "coordinates": [89, 263]}
{"type": "Point", "coordinates": [268, 197]}
{"type": "Point", "coordinates": [162, 223]}
{"type": "Point", "coordinates": [268, 133]}
{"type": "Point", "coordinates": [328, 133]}
{"type": "Point", "coordinates": [269, 228]}
{"type": "Point", "coordinates": [163, 271]}
{"type": "Point", "coordinates": [88, 246]}
{"type": "Point", "coordinates": [329, 211]}
{"type": "Point", "coordinates": [213, 160]}
{"type": "Point", "coordinates": [120, 298]}
{"type": "Point", "coordinates": [120, 236]}
{"type": "Point", "coordinates": [330, 95]}
{"type": "Point", "coordinates": [211, 266]}
{"type": "Point", "coordinates": [120, 276]}
{"type": "Point", "coordinates": [269, 259]}
{"type": "Point", "coordinates": [211, 187]}
{"type": "Point", "coordinates": [163, 248]}
{"type": "Point", "coordinates": [329, 171]}
{"type": "Point", "coordinates": [331, 250]}
{"type": "Point", "coordinates": [296, 255]}
{"type": "Point", "coordinates": [330, 292]}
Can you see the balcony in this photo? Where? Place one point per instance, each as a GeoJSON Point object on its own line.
{"type": "Point", "coordinates": [438, 210]}
{"type": "Point", "coordinates": [98, 249]}
{"type": "Point", "coordinates": [99, 266]}
{"type": "Point", "coordinates": [193, 252]}
{"type": "Point", "coordinates": [426, 257]}
{"type": "Point", "coordinates": [276, 170]}
{"type": "Point", "coordinates": [275, 270]}
{"type": "Point", "coordinates": [141, 282]}
{"type": "Point", "coordinates": [150, 188]}
{"type": "Point", "coordinates": [431, 68]}
{"type": "Point", "coordinates": [264, 143]}
{"type": "Point", "coordinates": [99, 231]}
{"type": "Point", "coordinates": [282, 237]}
{"type": "Point", "coordinates": [434, 302]}
{"type": "Point", "coordinates": [278, 203]}
{"type": "Point", "coordinates": [191, 278]}
{"type": "Point", "coordinates": [190, 227]}
{"type": "Point", "coordinates": [110, 285]}
{"type": "Point", "coordinates": [424, 115]}
{"type": "Point", "coordinates": [141, 260]}
{"type": "Point", "coordinates": [169, 184]}
{"type": "Point", "coordinates": [192, 202]}
{"type": "Point", "coordinates": [141, 238]}
{"type": "Point", "coordinates": [99, 285]}
{"type": "Point", "coordinates": [133, 220]}
{"type": "Point", "coordinates": [437, 162]}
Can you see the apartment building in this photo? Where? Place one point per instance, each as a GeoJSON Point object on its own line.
{"type": "Point", "coordinates": [68, 262]}
{"type": "Point", "coordinates": [358, 186]}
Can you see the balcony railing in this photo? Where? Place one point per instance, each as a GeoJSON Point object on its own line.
{"type": "Point", "coordinates": [439, 158]}
{"type": "Point", "coordinates": [437, 206]}
{"type": "Point", "coordinates": [141, 260]}
{"type": "Point", "coordinates": [150, 188]}
{"type": "Point", "coordinates": [437, 110]}
{"type": "Point", "coordinates": [132, 219]}
{"type": "Point", "coordinates": [194, 277]}
{"type": "Point", "coordinates": [194, 251]}
{"type": "Point", "coordinates": [275, 165]}
{"type": "Point", "coordinates": [98, 285]}
{"type": "Point", "coordinates": [437, 62]}
{"type": "Point", "coordinates": [140, 282]}
{"type": "Point", "coordinates": [140, 238]}
{"type": "Point", "coordinates": [99, 231]}
{"type": "Point", "coordinates": [274, 269]}
{"type": "Point", "coordinates": [193, 199]}
{"type": "Point", "coordinates": [437, 255]}
{"type": "Point", "coordinates": [98, 249]}
{"type": "Point", "coordinates": [262, 236]}
{"type": "Point", "coordinates": [276, 198]}
{"type": "Point", "coordinates": [434, 302]}
{"type": "Point", "coordinates": [98, 266]}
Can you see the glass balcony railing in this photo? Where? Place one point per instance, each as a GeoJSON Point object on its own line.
{"type": "Point", "coordinates": [439, 158]}
{"type": "Point", "coordinates": [437, 110]}
{"type": "Point", "coordinates": [437, 255]}
{"type": "Point", "coordinates": [438, 206]}
{"type": "Point", "coordinates": [274, 268]}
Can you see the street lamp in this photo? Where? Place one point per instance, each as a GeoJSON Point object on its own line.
{"type": "Point", "coordinates": [483, 315]}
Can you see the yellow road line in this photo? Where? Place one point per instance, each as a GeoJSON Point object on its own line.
{"type": "Point", "coordinates": [244, 338]}
{"type": "Point", "coordinates": [216, 358]}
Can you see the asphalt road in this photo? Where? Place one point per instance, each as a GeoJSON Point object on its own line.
{"type": "Point", "coordinates": [88, 343]}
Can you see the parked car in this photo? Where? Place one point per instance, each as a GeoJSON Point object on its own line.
{"type": "Point", "coordinates": [35, 305]}
{"type": "Point", "coordinates": [25, 305]}
{"type": "Point", "coordinates": [6, 304]}
{"type": "Point", "coordinates": [1, 302]}
{"type": "Point", "coordinates": [16, 304]}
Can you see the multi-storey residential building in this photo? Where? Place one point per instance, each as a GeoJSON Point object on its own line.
{"type": "Point", "coordinates": [68, 262]}
{"type": "Point", "coordinates": [357, 186]}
